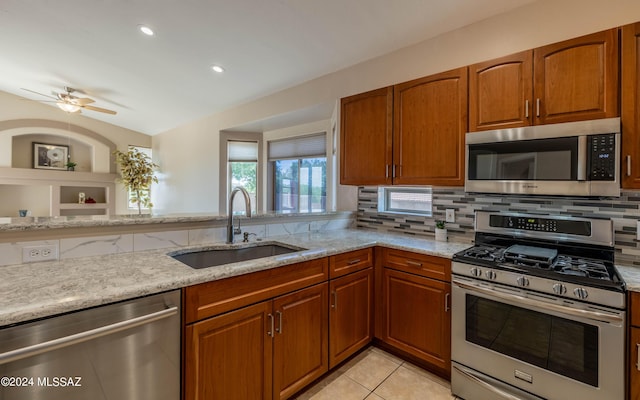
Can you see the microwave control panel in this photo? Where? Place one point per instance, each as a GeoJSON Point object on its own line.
{"type": "Point", "coordinates": [602, 157]}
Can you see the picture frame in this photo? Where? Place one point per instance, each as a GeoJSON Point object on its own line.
{"type": "Point", "coordinates": [50, 156]}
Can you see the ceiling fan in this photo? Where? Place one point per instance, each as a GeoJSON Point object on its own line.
{"type": "Point", "coordinates": [70, 103]}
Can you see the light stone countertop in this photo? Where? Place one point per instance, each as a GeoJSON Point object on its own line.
{"type": "Point", "coordinates": [10, 224]}
{"type": "Point", "coordinates": [631, 276]}
{"type": "Point", "coordinates": [38, 290]}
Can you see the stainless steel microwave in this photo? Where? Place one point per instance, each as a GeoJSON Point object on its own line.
{"type": "Point", "coordinates": [567, 159]}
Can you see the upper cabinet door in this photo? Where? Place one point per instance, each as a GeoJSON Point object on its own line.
{"type": "Point", "coordinates": [500, 92]}
{"type": "Point", "coordinates": [430, 121]}
{"type": "Point", "coordinates": [577, 79]}
{"type": "Point", "coordinates": [631, 106]}
{"type": "Point", "coordinates": [365, 138]}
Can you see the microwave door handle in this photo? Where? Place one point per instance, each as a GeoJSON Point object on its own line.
{"type": "Point", "coordinates": [582, 158]}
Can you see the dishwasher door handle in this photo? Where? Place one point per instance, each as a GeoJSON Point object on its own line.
{"type": "Point", "coordinates": [80, 337]}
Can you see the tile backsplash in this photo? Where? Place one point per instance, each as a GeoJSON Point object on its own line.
{"type": "Point", "coordinates": [623, 210]}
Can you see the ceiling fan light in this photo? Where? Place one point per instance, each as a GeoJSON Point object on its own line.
{"type": "Point", "coordinates": [70, 108]}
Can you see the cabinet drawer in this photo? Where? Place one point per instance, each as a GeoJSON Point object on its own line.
{"type": "Point", "coordinates": [419, 264]}
{"type": "Point", "coordinates": [346, 263]}
{"type": "Point", "coordinates": [212, 298]}
{"type": "Point", "coordinates": [634, 308]}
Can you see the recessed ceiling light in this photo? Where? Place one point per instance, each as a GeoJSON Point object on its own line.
{"type": "Point", "coordinates": [146, 30]}
{"type": "Point", "coordinates": [217, 68]}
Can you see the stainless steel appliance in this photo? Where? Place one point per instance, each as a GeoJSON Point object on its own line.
{"type": "Point", "coordinates": [123, 351]}
{"type": "Point", "coordinates": [538, 310]}
{"type": "Point", "coordinates": [570, 159]}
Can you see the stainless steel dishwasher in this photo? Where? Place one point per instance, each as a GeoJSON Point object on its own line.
{"type": "Point", "coordinates": [122, 351]}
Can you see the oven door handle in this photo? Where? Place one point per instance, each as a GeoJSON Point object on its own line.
{"type": "Point", "coordinates": [469, 375]}
{"type": "Point", "coordinates": [593, 315]}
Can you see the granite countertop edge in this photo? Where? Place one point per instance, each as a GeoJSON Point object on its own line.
{"type": "Point", "coordinates": [39, 290]}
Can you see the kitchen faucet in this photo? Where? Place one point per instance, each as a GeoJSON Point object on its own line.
{"type": "Point", "coordinates": [247, 205]}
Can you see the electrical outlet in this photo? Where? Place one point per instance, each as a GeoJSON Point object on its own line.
{"type": "Point", "coordinates": [450, 215]}
{"type": "Point", "coordinates": [43, 252]}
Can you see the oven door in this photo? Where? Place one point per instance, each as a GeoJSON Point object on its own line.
{"type": "Point", "coordinates": [506, 342]}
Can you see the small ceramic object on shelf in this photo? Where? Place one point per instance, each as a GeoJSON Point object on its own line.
{"type": "Point", "coordinates": [441, 231]}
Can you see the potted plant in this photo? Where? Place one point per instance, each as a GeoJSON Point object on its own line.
{"type": "Point", "coordinates": [71, 166]}
{"type": "Point", "coordinates": [441, 231]}
{"type": "Point", "coordinates": [136, 174]}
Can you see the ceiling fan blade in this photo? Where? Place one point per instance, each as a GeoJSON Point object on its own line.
{"type": "Point", "coordinates": [102, 110]}
{"type": "Point", "coordinates": [83, 101]}
{"type": "Point", "coordinates": [41, 94]}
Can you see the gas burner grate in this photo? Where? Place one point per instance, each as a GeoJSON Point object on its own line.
{"type": "Point", "coordinates": [582, 267]}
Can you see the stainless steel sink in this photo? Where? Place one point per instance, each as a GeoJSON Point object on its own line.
{"type": "Point", "coordinates": [212, 256]}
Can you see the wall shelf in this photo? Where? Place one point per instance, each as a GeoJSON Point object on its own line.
{"type": "Point", "coordinates": [64, 188]}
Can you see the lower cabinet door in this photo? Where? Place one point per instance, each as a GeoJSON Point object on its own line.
{"type": "Point", "coordinates": [417, 318]}
{"type": "Point", "coordinates": [301, 339]}
{"type": "Point", "coordinates": [230, 356]}
{"type": "Point", "coordinates": [634, 373]}
{"type": "Point", "coordinates": [351, 312]}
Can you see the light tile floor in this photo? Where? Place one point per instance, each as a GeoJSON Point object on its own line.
{"type": "Point", "coordinates": [377, 375]}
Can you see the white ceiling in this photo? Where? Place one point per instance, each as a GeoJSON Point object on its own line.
{"type": "Point", "coordinates": [157, 83]}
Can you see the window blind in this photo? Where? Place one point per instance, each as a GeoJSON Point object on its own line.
{"type": "Point", "coordinates": [242, 151]}
{"type": "Point", "coordinates": [298, 147]}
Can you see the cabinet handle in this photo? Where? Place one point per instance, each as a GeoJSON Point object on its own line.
{"type": "Point", "coordinates": [537, 107]}
{"type": "Point", "coordinates": [526, 109]}
{"type": "Point", "coordinates": [279, 328]}
{"type": "Point", "coordinates": [334, 294]}
{"type": "Point", "coordinates": [393, 171]}
{"type": "Point", "coordinates": [386, 171]}
{"type": "Point", "coordinates": [629, 165]}
{"type": "Point", "coordinates": [270, 331]}
{"type": "Point", "coordinates": [357, 260]}
{"type": "Point", "coordinates": [638, 356]}
{"type": "Point", "coordinates": [447, 297]}
{"type": "Point", "coordinates": [414, 264]}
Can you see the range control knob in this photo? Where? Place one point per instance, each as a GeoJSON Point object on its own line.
{"type": "Point", "coordinates": [523, 281]}
{"type": "Point", "coordinates": [559, 288]}
{"type": "Point", "coordinates": [491, 275]}
{"type": "Point", "coordinates": [476, 272]}
{"type": "Point", "coordinates": [581, 293]}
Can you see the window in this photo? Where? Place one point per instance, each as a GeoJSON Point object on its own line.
{"type": "Point", "coordinates": [242, 159]}
{"type": "Point", "coordinates": [405, 200]}
{"type": "Point", "coordinates": [145, 193]}
{"type": "Point", "coordinates": [298, 167]}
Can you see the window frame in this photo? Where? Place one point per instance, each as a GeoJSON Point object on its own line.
{"type": "Point", "coordinates": [225, 173]}
{"type": "Point", "coordinates": [271, 171]}
{"type": "Point", "coordinates": [384, 192]}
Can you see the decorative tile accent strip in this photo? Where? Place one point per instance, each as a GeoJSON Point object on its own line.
{"type": "Point", "coordinates": [624, 211]}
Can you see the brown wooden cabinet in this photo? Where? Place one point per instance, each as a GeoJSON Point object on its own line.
{"type": "Point", "coordinates": [429, 124]}
{"type": "Point", "coordinates": [634, 345]}
{"type": "Point", "coordinates": [429, 121]}
{"type": "Point", "coordinates": [500, 92]}
{"type": "Point", "coordinates": [350, 303]}
{"type": "Point", "coordinates": [365, 138]}
{"type": "Point", "coordinates": [631, 106]}
{"type": "Point", "coordinates": [351, 314]}
{"type": "Point", "coordinates": [271, 347]}
{"type": "Point", "coordinates": [300, 340]}
{"type": "Point", "coordinates": [416, 314]}
{"type": "Point", "coordinates": [572, 80]}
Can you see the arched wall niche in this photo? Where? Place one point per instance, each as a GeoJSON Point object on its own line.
{"type": "Point", "coordinates": [87, 146]}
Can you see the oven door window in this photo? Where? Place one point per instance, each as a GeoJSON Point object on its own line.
{"type": "Point", "coordinates": [541, 159]}
{"type": "Point", "coordinates": [560, 345]}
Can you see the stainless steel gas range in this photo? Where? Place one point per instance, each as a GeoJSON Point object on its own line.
{"type": "Point", "coordinates": [538, 310]}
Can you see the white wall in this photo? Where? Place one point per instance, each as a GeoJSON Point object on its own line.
{"type": "Point", "coordinates": [190, 180]}
{"type": "Point", "coordinates": [46, 119]}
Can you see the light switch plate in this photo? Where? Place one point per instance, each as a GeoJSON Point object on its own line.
{"type": "Point", "coordinates": [450, 215]}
